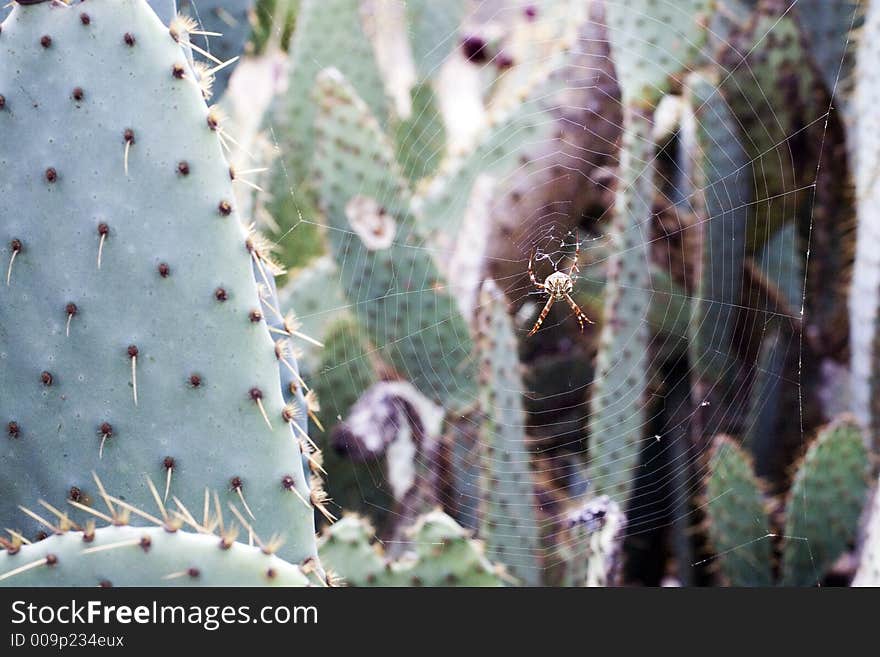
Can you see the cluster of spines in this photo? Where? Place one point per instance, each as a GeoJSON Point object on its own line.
{"type": "Point", "coordinates": [121, 548]}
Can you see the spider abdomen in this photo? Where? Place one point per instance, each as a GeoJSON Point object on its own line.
{"type": "Point", "coordinates": [558, 284]}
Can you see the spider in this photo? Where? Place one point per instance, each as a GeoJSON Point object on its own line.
{"type": "Point", "coordinates": [558, 286]}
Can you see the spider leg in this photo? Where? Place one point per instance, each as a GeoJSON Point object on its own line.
{"type": "Point", "coordinates": [542, 316]}
{"type": "Point", "coordinates": [577, 252]}
{"type": "Point", "coordinates": [535, 282]}
{"type": "Point", "coordinates": [581, 318]}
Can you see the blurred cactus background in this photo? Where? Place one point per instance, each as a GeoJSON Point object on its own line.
{"type": "Point", "coordinates": [440, 292]}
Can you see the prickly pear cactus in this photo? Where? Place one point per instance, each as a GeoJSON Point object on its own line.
{"type": "Point", "coordinates": [771, 93]}
{"type": "Point", "coordinates": [509, 522]}
{"type": "Point", "coordinates": [737, 519]}
{"type": "Point", "coordinates": [720, 198]}
{"type": "Point", "coordinates": [828, 28]}
{"type": "Point", "coordinates": [825, 502]}
{"type": "Point", "coordinates": [433, 28]}
{"type": "Point", "coordinates": [419, 141]}
{"type": "Point", "coordinates": [144, 556]}
{"type": "Point", "coordinates": [399, 297]}
{"type": "Point", "coordinates": [617, 394]}
{"type": "Point", "coordinates": [230, 19]}
{"type": "Point", "coordinates": [652, 43]}
{"type": "Point", "coordinates": [134, 344]}
{"type": "Point", "coordinates": [318, 302]}
{"type": "Point", "coordinates": [441, 200]}
{"type": "Point", "coordinates": [442, 554]}
{"type": "Point", "coordinates": [328, 33]}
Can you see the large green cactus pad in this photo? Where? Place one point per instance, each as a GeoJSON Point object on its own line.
{"type": "Point", "coordinates": [825, 502]}
{"type": "Point", "coordinates": [328, 33]}
{"type": "Point", "coordinates": [442, 555]}
{"type": "Point", "coordinates": [170, 304]}
{"type": "Point", "coordinates": [618, 413]}
{"type": "Point", "coordinates": [144, 556]}
{"type": "Point", "coordinates": [736, 517]}
{"type": "Point", "coordinates": [509, 522]}
{"type": "Point", "coordinates": [653, 42]}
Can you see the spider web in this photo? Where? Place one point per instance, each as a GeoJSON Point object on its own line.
{"type": "Point", "coordinates": [564, 197]}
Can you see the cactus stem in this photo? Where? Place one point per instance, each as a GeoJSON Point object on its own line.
{"type": "Point", "coordinates": [26, 567]}
{"type": "Point", "coordinates": [16, 246]}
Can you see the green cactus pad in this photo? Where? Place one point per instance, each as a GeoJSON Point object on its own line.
{"type": "Point", "coordinates": [397, 294]}
{"type": "Point", "coordinates": [420, 140]}
{"type": "Point", "coordinates": [344, 374]}
{"type": "Point", "coordinates": [508, 522]}
{"type": "Point", "coordinates": [617, 419]}
{"type": "Point", "coordinates": [824, 504]}
{"type": "Point", "coordinates": [531, 123]}
{"type": "Point", "coordinates": [442, 554]}
{"type": "Point", "coordinates": [771, 94]}
{"type": "Point", "coordinates": [653, 42]}
{"type": "Point", "coordinates": [316, 298]}
{"type": "Point", "coordinates": [144, 556]}
{"type": "Point", "coordinates": [433, 28]}
{"type": "Point", "coordinates": [717, 166]}
{"type": "Point", "coordinates": [829, 30]}
{"type": "Point", "coordinates": [329, 33]}
{"type": "Point", "coordinates": [737, 520]}
{"type": "Point", "coordinates": [173, 306]}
